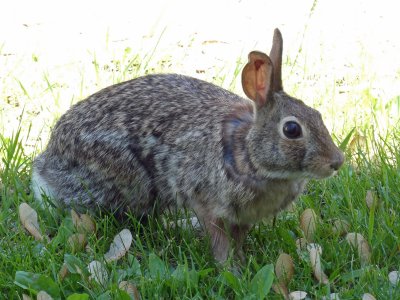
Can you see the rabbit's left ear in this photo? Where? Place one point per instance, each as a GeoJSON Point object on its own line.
{"type": "Point", "coordinates": [276, 58]}
{"type": "Point", "coordinates": [257, 78]}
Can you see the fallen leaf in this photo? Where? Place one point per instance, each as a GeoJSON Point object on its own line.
{"type": "Point", "coordinates": [75, 218]}
{"type": "Point", "coordinates": [77, 242]}
{"type": "Point", "coordinates": [358, 142]}
{"type": "Point", "coordinates": [121, 244]}
{"type": "Point", "coordinates": [42, 295]}
{"type": "Point", "coordinates": [98, 272]}
{"type": "Point", "coordinates": [291, 207]}
{"type": "Point", "coordinates": [340, 226]}
{"type": "Point", "coordinates": [371, 199]}
{"type": "Point", "coordinates": [281, 289]}
{"type": "Point", "coordinates": [83, 222]}
{"type": "Point", "coordinates": [284, 268]}
{"type": "Point", "coordinates": [63, 272]}
{"type": "Point", "coordinates": [88, 224]}
{"type": "Point", "coordinates": [368, 296]}
{"type": "Point", "coordinates": [29, 220]}
{"type": "Point", "coordinates": [394, 277]}
{"type": "Point", "coordinates": [130, 289]}
{"type": "Point", "coordinates": [315, 252]}
{"type": "Point", "coordinates": [308, 222]}
{"type": "Point", "coordinates": [301, 244]}
{"type": "Point", "coordinates": [357, 241]}
{"type": "Point", "coordinates": [297, 295]}
{"type": "Point", "coordinates": [332, 296]}
{"type": "Point", "coordinates": [89, 249]}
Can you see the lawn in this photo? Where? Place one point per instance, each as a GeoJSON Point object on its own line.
{"type": "Point", "coordinates": [166, 261]}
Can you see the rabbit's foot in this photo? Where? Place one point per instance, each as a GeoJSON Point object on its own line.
{"type": "Point", "coordinates": [220, 243]}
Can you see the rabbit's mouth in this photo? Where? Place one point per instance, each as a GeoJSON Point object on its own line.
{"type": "Point", "coordinates": [320, 167]}
{"type": "Point", "coordinates": [321, 172]}
{"type": "Point", "coordinates": [324, 175]}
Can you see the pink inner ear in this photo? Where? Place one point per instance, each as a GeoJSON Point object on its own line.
{"type": "Point", "coordinates": [258, 63]}
{"type": "Point", "coordinates": [260, 78]}
{"type": "Point", "coordinates": [261, 88]}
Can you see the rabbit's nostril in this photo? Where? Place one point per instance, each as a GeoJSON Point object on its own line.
{"type": "Point", "coordinates": [336, 165]}
{"type": "Point", "coordinates": [338, 162]}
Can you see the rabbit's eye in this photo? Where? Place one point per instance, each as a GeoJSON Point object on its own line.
{"type": "Point", "coordinates": [292, 130]}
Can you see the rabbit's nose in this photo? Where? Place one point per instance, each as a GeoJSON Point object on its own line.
{"type": "Point", "coordinates": [338, 161]}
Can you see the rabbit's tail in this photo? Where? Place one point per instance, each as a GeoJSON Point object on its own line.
{"type": "Point", "coordinates": [40, 185]}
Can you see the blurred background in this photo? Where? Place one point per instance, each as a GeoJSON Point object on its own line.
{"type": "Point", "coordinates": [341, 57]}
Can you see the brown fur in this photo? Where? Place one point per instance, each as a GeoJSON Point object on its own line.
{"type": "Point", "coordinates": [166, 140]}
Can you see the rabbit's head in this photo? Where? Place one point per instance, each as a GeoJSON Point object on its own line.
{"type": "Point", "coordinates": [289, 138]}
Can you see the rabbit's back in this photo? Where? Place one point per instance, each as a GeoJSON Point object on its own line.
{"type": "Point", "coordinates": [157, 137]}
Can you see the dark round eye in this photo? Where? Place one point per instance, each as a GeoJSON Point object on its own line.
{"type": "Point", "coordinates": [292, 130]}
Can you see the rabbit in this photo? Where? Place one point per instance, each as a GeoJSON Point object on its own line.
{"type": "Point", "coordinates": [168, 140]}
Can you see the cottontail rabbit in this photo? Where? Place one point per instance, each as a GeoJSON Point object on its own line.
{"type": "Point", "coordinates": [163, 140]}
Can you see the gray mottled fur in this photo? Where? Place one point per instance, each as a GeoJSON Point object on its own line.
{"type": "Point", "coordinates": [165, 140]}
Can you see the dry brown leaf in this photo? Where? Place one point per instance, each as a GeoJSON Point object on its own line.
{"type": "Point", "coordinates": [297, 295]}
{"type": "Point", "coordinates": [121, 244]}
{"type": "Point", "coordinates": [357, 241]}
{"type": "Point", "coordinates": [315, 252]}
{"type": "Point", "coordinates": [308, 223]}
{"type": "Point", "coordinates": [394, 278]}
{"type": "Point", "coordinates": [301, 248]}
{"type": "Point", "coordinates": [291, 207]}
{"type": "Point", "coordinates": [98, 272]}
{"type": "Point", "coordinates": [301, 244]}
{"type": "Point", "coordinates": [75, 218]}
{"type": "Point", "coordinates": [29, 220]}
{"type": "Point", "coordinates": [88, 224]}
{"type": "Point", "coordinates": [89, 249]}
{"type": "Point", "coordinates": [83, 222]}
{"type": "Point", "coordinates": [77, 242]}
{"type": "Point", "coordinates": [281, 289]}
{"type": "Point", "coordinates": [130, 289]}
{"type": "Point", "coordinates": [42, 295]}
{"type": "Point", "coordinates": [284, 268]}
{"type": "Point", "coordinates": [358, 141]}
{"type": "Point", "coordinates": [63, 272]}
{"type": "Point", "coordinates": [340, 227]}
{"type": "Point", "coordinates": [368, 296]}
{"type": "Point", "coordinates": [371, 199]}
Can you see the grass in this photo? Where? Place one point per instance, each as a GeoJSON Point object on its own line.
{"type": "Point", "coordinates": [166, 262]}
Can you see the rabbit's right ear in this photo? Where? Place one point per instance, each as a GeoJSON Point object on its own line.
{"type": "Point", "coordinates": [257, 78]}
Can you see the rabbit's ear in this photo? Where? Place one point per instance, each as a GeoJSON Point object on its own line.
{"type": "Point", "coordinates": [276, 58]}
{"type": "Point", "coordinates": [257, 78]}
